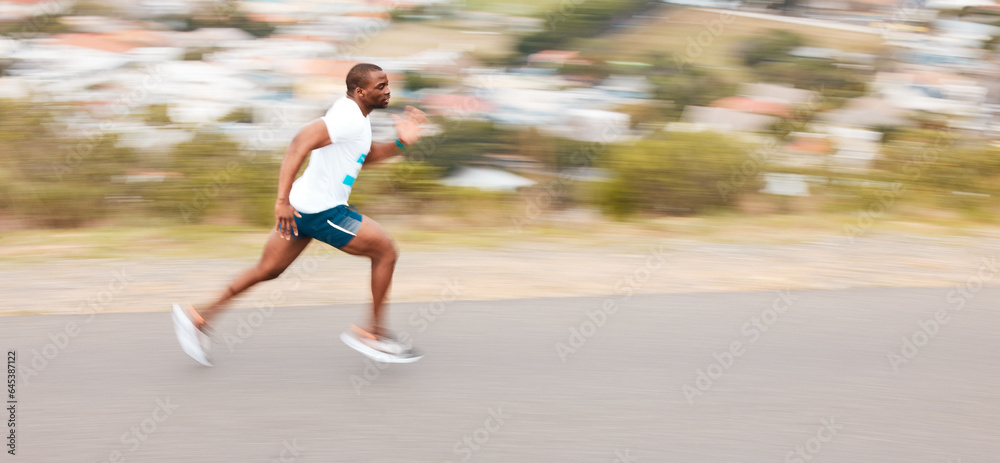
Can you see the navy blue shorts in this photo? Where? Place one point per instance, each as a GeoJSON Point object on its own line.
{"type": "Point", "coordinates": [336, 227]}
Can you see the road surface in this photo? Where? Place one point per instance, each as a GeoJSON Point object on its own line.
{"type": "Point", "coordinates": [773, 376]}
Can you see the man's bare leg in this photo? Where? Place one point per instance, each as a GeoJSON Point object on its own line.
{"type": "Point", "coordinates": [373, 242]}
{"type": "Point", "coordinates": [278, 254]}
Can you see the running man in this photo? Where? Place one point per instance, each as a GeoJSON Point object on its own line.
{"type": "Point", "coordinates": [315, 206]}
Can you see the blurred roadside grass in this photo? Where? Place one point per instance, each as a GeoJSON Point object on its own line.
{"type": "Point", "coordinates": [448, 233]}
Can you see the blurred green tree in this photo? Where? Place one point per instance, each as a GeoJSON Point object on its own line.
{"type": "Point", "coordinates": [680, 174]}
{"type": "Point", "coordinates": [771, 45]}
{"type": "Point", "coordinates": [818, 75]}
{"type": "Point", "coordinates": [416, 81]}
{"type": "Point", "coordinates": [218, 179]}
{"type": "Point", "coordinates": [462, 142]}
{"type": "Point", "coordinates": [690, 87]}
{"type": "Point", "coordinates": [156, 115]}
{"type": "Point", "coordinates": [578, 19]}
{"type": "Point", "coordinates": [939, 160]}
{"type": "Point", "coordinates": [54, 178]}
{"type": "Point", "coordinates": [223, 14]}
{"type": "Point", "coordinates": [242, 114]}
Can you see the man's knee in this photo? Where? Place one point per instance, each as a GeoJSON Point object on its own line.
{"type": "Point", "coordinates": [269, 272]}
{"type": "Point", "coordinates": [389, 252]}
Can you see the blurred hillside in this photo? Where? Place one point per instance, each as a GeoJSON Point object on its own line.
{"type": "Point", "coordinates": [178, 111]}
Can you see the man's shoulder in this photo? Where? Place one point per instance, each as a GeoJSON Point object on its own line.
{"type": "Point", "coordinates": [344, 107]}
{"type": "Point", "coordinates": [344, 120]}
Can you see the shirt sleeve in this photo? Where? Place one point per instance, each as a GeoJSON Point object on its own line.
{"type": "Point", "coordinates": [336, 127]}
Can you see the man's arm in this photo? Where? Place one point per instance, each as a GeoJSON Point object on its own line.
{"type": "Point", "coordinates": [311, 137]}
{"type": "Point", "coordinates": [408, 130]}
{"type": "Point", "coordinates": [381, 151]}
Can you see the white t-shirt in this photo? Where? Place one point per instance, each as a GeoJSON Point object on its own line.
{"type": "Point", "coordinates": [332, 169]}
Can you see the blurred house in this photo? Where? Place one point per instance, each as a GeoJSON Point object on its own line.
{"type": "Point", "coordinates": [139, 46]}
{"type": "Point", "coordinates": [211, 37]}
{"type": "Point", "coordinates": [965, 33]}
{"type": "Point", "coordinates": [992, 9]}
{"type": "Point", "coordinates": [313, 8]}
{"type": "Point", "coordinates": [455, 106]}
{"type": "Point", "coordinates": [637, 87]}
{"type": "Point", "coordinates": [786, 184]}
{"type": "Point", "coordinates": [134, 176]}
{"type": "Point", "coordinates": [594, 125]}
{"type": "Point", "coordinates": [837, 148]}
{"type": "Point", "coordinates": [150, 140]}
{"type": "Point", "coordinates": [754, 106]}
{"type": "Point", "coordinates": [8, 46]}
{"type": "Point", "coordinates": [351, 33]}
{"type": "Point", "coordinates": [69, 57]}
{"type": "Point", "coordinates": [486, 179]}
{"type": "Point", "coordinates": [842, 58]}
{"type": "Point", "coordinates": [867, 112]}
{"type": "Point", "coordinates": [814, 6]}
{"type": "Point", "coordinates": [318, 78]}
{"type": "Point", "coordinates": [725, 120]}
{"type": "Point", "coordinates": [957, 4]}
{"type": "Point", "coordinates": [556, 57]}
{"type": "Point", "coordinates": [438, 62]}
{"type": "Point", "coordinates": [81, 55]}
{"type": "Point", "coordinates": [942, 54]}
{"type": "Point", "coordinates": [201, 93]}
{"type": "Point", "coordinates": [104, 42]}
{"type": "Point", "coordinates": [729, 4]}
{"type": "Point", "coordinates": [14, 88]}
{"type": "Point", "coordinates": [321, 79]}
{"type": "Point", "coordinates": [778, 94]}
{"type": "Point", "coordinates": [856, 148]}
{"type": "Point", "coordinates": [22, 9]}
{"type": "Point", "coordinates": [267, 54]}
{"type": "Point", "coordinates": [554, 104]}
{"type": "Point", "coordinates": [99, 24]}
{"type": "Point", "coordinates": [930, 92]}
{"type": "Point", "coordinates": [530, 100]}
{"type": "Point", "coordinates": [810, 150]}
{"type": "Point", "coordinates": [168, 7]}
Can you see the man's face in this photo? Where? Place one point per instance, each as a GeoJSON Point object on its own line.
{"type": "Point", "coordinates": [376, 93]}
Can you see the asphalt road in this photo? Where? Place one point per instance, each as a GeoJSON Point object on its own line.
{"type": "Point", "coordinates": [652, 383]}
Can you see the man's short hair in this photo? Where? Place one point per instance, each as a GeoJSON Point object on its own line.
{"type": "Point", "coordinates": [360, 75]}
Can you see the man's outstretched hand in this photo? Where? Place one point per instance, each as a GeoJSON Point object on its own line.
{"type": "Point", "coordinates": [409, 126]}
{"type": "Point", "coordinates": [284, 215]}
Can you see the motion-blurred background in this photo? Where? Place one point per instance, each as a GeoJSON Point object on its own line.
{"type": "Point", "coordinates": [145, 113]}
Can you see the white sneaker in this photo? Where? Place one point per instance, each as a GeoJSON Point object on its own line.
{"type": "Point", "coordinates": [379, 348]}
{"type": "Point", "coordinates": [194, 343]}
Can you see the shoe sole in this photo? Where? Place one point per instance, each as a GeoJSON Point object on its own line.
{"type": "Point", "coordinates": [374, 354]}
{"type": "Point", "coordinates": [182, 329]}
